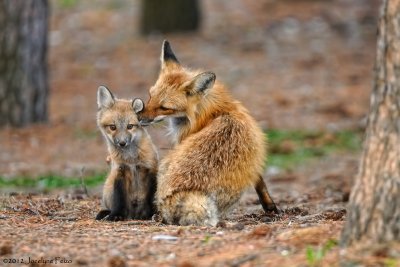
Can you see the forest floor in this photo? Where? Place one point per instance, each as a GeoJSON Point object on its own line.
{"type": "Point", "coordinates": [306, 233]}
{"type": "Point", "coordinates": [304, 70]}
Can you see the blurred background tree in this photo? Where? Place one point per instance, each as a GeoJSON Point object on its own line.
{"type": "Point", "coordinates": [160, 16]}
{"type": "Point", "coordinates": [23, 61]}
{"type": "Point", "coordinates": [374, 208]}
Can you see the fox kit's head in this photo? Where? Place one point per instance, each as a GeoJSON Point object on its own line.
{"type": "Point", "coordinates": [177, 91]}
{"type": "Point", "coordinates": [117, 118]}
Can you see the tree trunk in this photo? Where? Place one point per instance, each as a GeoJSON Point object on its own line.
{"type": "Point", "coordinates": [23, 61]}
{"type": "Point", "coordinates": [374, 207]}
{"type": "Point", "coordinates": [159, 16]}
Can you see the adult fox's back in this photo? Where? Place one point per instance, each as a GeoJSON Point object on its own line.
{"type": "Point", "coordinates": [219, 148]}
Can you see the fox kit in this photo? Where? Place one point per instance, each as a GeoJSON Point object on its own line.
{"type": "Point", "coordinates": [129, 189]}
{"type": "Point", "coordinates": [219, 149]}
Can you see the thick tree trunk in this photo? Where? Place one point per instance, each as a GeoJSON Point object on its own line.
{"type": "Point", "coordinates": [374, 208]}
{"type": "Point", "coordinates": [23, 61]}
{"type": "Point", "coordinates": [159, 16]}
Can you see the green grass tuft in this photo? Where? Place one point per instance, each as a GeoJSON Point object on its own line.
{"type": "Point", "coordinates": [314, 256]}
{"type": "Point", "coordinates": [51, 181]}
{"type": "Point", "coordinates": [288, 149]}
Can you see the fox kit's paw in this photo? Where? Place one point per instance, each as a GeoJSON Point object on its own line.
{"type": "Point", "coordinates": [143, 211]}
{"type": "Point", "coordinates": [102, 214]}
{"type": "Point", "coordinates": [157, 218]}
{"type": "Point", "coordinates": [115, 217]}
{"type": "Point", "coordinates": [106, 215]}
{"type": "Point", "coordinates": [144, 214]}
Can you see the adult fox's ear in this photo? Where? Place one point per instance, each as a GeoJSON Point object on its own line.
{"type": "Point", "coordinates": [201, 83]}
{"type": "Point", "coordinates": [105, 98]}
{"type": "Point", "coordinates": [167, 55]}
{"type": "Point", "coordinates": [137, 105]}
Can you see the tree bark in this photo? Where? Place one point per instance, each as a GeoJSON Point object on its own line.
{"type": "Point", "coordinates": [159, 16]}
{"type": "Point", "coordinates": [374, 207]}
{"type": "Point", "coordinates": [23, 61]}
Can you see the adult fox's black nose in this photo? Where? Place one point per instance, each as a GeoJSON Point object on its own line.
{"type": "Point", "coordinates": [122, 143]}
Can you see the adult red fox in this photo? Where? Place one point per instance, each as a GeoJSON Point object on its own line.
{"type": "Point", "coordinates": [219, 148]}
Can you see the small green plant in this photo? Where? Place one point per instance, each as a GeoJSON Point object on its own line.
{"type": "Point", "coordinates": [315, 255]}
{"type": "Point", "coordinates": [206, 239]}
{"type": "Point", "coordinates": [391, 262]}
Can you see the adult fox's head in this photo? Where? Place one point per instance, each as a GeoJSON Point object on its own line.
{"type": "Point", "coordinates": [117, 119]}
{"type": "Point", "coordinates": [177, 91]}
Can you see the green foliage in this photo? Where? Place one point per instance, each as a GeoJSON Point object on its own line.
{"type": "Point", "coordinates": [314, 256]}
{"type": "Point", "coordinates": [51, 181]}
{"type": "Point", "coordinates": [391, 262]}
{"type": "Point", "coordinates": [288, 149]}
{"type": "Point", "coordinates": [68, 3]}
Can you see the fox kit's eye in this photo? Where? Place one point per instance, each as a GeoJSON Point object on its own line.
{"type": "Point", "coordinates": [164, 108]}
{"type": "Point", "coordinates": [112, 127]}
{"type": "Point", "coordinates": [129, 127]}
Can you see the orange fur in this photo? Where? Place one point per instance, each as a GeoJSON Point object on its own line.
{"type": "Point", "coordinates": [219, 148]}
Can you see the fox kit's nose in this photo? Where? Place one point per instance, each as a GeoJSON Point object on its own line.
{"type": "Point", "coordinates": [122, 144]}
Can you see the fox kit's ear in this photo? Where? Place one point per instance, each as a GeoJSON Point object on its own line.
{"type": "Point", "coordinates": [137, 105]}
{"type": "Point", "coordinates": [167, 55]}
{"type": "Point", "coordinates": [202, 82]}
{"type": "Point", "coordinates": [105, 98]}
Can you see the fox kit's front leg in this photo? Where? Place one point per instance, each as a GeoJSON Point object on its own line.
{"type": "Point", "coordinates": [115, 195]}
{"type": "Point", "coordinates": [145, 188]}
{"type": "Point", "coordinates": [119, 205]}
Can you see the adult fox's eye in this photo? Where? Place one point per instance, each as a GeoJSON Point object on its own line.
{"type": "Point", "coordinates": [164, 108]}
{"type": "Point", "coordinates": [112, 127]}
{"type": "Point", "coordinates": [129, 127]}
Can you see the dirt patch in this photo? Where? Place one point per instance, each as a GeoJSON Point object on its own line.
{"type": "Point", "coordinates": [47, 227]}
{"type": "Point", "coordinates": [52, 226]}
